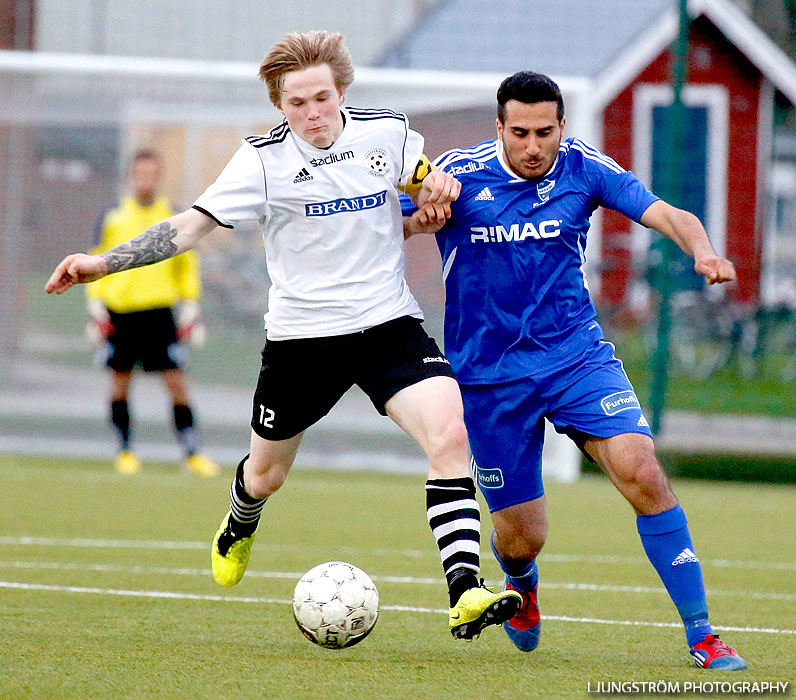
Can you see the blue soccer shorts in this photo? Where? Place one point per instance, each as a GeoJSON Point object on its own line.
{"type": "Point", "coordinates": [505, 422]}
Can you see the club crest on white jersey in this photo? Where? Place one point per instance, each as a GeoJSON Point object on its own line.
{"type": "Point", "coordinates": [377, 162]}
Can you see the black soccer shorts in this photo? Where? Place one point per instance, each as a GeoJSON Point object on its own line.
{"type": "Point", "coordinates": [301, 380]}
{"type": "Point", "coordinates": [147, 337]}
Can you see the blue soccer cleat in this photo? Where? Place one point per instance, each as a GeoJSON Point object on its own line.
{"type": "Point", "coordinates": [524, 628]}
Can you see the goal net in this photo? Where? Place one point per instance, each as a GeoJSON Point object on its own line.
{"type": "Point", "coordinates": [69, 123]}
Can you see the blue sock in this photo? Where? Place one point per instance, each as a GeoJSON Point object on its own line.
{"type": "Point", "coordinates": [668, 545]}
{"type": "Point", "coordinates": [525, 577]}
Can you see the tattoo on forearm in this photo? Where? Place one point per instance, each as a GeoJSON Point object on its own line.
{"type": "Point", "coordinates": [153, 245]}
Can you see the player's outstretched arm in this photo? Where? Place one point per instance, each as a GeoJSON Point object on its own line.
{"type": "Point", "coordinates": [171, 237]}
{"type": "Point", "coordinates": [687, 231]}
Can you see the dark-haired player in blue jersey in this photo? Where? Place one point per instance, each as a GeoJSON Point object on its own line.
{"type": "Point", "coordinates": [522, 337]}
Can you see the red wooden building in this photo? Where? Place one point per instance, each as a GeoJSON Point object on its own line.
{"type": "Point", "coordinates": [620, 53]}
{"type": "Point", "coordinates": [732, 72]}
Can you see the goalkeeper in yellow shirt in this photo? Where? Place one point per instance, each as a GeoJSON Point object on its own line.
{"type": "Point", "coordinates": [142, 316]}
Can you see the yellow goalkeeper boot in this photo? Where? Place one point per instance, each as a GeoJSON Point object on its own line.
{"type": "Point", "coordinates": [201, 466]}
{"type": "Point", "coordinates": [230, 555]}
{"type": "Point", "coordinates": [479, 607]}
{"type": "Point", "coordinates": [127, 463]}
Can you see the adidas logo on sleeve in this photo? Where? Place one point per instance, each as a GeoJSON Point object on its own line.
{"type": "Point", "coordinates": [303, 176]}
{"type": "Point", "coordinates": [685, 557]}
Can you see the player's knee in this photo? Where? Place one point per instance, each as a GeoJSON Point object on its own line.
{"type": "Point", "coordinates": [648, 487]}
{"type": "Point", "coordinates": [448, 440]}
{"type": "Point", "coordinates": [650, 476]}
{"type": "Point", "coordinates": [521, 548]}
{"type": "Point", "coordinates": [265, 481]}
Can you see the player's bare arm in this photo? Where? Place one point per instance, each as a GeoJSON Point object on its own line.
{"type": "Point", "coordinates": [438, 188]}
{"type": "Point", "coordinates": [429, 219]}
{"type": "Point", "coordinates": [153, 245]}
{"type": "Point", "coordinates": [687, 231]}
{"type": "Point", "coordinates": [427, 184]}
{"type": "Point", "coordinates": [163, 240]}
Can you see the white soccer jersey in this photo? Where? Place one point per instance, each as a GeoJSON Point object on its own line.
{"type": "Point", "coordinates": [331, 220]}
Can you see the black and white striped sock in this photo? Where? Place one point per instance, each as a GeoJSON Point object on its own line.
{"type": "Point", "coordinates": [245, 509]}
{"type": "Point", "coordinates": [455, 520]}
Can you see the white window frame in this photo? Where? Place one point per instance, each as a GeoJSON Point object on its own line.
{"type": "Point", "coordinates": [715, 98]}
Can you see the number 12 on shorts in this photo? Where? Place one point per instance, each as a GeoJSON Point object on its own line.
{"type": "Point", "coordinates": [266, 417]}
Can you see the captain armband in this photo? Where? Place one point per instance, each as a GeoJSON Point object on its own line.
{"type": "Point", "coordinates": [415, 182]}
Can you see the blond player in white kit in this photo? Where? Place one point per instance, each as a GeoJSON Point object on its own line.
{"type": "Point", "coordinates": [324, 186]}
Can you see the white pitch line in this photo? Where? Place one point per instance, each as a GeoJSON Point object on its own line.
{"type": "Point", "coordinates": [758, 595]}
{"type": "Point", "coordinates": [25, 541]}
{"type": "Point", "coordinates": [185, 571]}
{"type": "Point", "coordinates": [99, 544]}
{"type": "Point", "coordinates": [399, 608]}
{"type": "Point", "coordinates": [138, 594]}
{"type": "Point", "coordinates": [620, 559]}
{"type": "Point", "coordinates": [672, 625]}
{"type": "Point", "coordinates": [292, 575]}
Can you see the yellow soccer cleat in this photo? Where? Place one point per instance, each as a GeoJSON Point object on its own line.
{"type": "Point", "coordinates": [230, 555]}
{"type": "Point", "coordinates": [127, 463]}
{"type": "Point", "coordinates": [479, 607]}
{"type": "Point", "coordinates": [201, 465]}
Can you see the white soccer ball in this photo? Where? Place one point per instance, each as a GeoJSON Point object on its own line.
{"type": "Point", "coordinates": [335, 605]}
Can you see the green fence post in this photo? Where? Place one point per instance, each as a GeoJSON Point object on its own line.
{"type": "Point", "coordinates": [675, 135]}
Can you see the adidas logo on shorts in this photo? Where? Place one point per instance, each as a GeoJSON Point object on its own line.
{"type": "Point", "coordinates": [302, 176]}
{"type": "Point", "coordinates": [484, 196]}
{"type": "Point", "coordinates": [685, 557]}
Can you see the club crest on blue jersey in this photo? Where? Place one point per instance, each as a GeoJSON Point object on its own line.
{"type": "Point", "coordinates": [544, 188]}
{"type": "Point", "coordinates": [620, 401]}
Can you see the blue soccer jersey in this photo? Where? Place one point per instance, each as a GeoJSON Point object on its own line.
{"type": "Point", "coordinates": [517, 302]}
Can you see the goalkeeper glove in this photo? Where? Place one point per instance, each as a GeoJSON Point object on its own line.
{"type": "Point", "coordinates": [190, 327]}
{"type": "Point", "coordinates": [99, 327]}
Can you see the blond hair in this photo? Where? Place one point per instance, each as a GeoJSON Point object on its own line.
{"type": "Point", "coordinates": [296, 51]}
